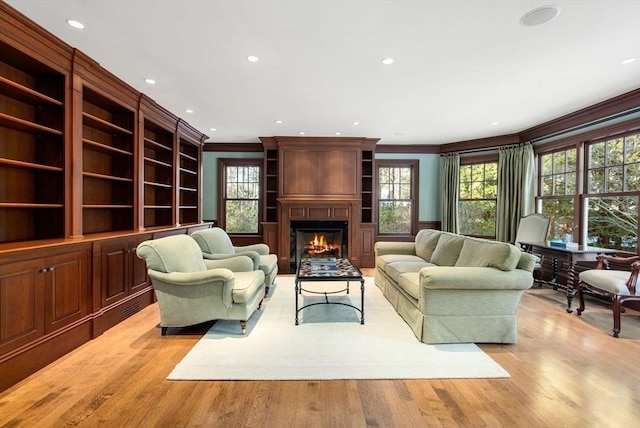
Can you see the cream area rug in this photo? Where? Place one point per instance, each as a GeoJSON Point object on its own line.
{"type": "Point", "coordinates": [328, 343]}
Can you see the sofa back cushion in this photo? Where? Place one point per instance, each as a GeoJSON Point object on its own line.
{"type": "Point", "coordinates": [447, 249]}
{"type": "Point", "coordinates": [484, 253]}
{"type": "Point", "coordinates": [426, 241]}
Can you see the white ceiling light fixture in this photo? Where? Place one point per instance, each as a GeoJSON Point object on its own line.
{"type": "Point", "coordinates": [252, 58]}
{"type": "Point", "coordinates": [76, 24]}
{"type": "Point", "coordinates": [212, 129]}
{"type": "Point", "coordinates": [540, 16]}
{"type": "Point", "coordinates": [150, 81]}
{"type": "Point", "coordinates": [388, 61]}
{"type": "Point", "coordinates": [628, 61]}
{"type": "Point", "coordinates": [356, 123]}
{"type": "Point", "coordinates": [302, 132]}
{"type": "Point", "coordinates": [189, 111]}
{"type": "Point", "coordinates": [278, 121]}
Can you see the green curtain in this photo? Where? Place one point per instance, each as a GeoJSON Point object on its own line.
{"type": "Point", "coordinates": [450, 166]}
{"type": "Point", "coordinates": [516, 189]}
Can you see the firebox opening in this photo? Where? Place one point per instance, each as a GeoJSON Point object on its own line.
{"type": "Point", "coordinates": [318, 239]}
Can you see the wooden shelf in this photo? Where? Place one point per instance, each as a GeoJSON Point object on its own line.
{"type": "Point", "coordinates": [25, 94]}
{"type": "Point", "coordinates": [25, 125]}
{"type": "Point", "coordinates": [103, 125]}
{"type": "Point", "coordinates": [105, 148]}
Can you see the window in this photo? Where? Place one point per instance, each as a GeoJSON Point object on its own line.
{"type": "Point", "coordinates": [558, 178]}
{"type": "Point", "coordinates": [397, 197]}
{"type": "Point", "coordinates": [240, 206]}
{"type": "Point", "coordinates": [478, 197]}
{"type": "Point", "coordinates": [613, 192]}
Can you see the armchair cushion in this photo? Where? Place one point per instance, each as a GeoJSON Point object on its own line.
{"type": "Point", "coordinates": [184, 256]}
{"type": "Point", "coordinates": [612, 281]}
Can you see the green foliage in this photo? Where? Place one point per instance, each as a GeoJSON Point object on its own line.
{"type": "Point", "coordinates": [478, 217]}
{"type": "Point", "coordinates": [394, 217]}
{"type": "Point", "coordinates": [241, 216]}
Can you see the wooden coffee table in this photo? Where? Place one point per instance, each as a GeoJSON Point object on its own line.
{"type": "Point", "coordinates": [345, 272]}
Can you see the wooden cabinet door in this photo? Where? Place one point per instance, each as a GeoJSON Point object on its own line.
{"type": "Point", "coordinates": [21, 303]}
{"type": "Point", "coordinates": [67, 284]}
{"type": "Point", "coordinates": [115, 281]}
{"type": "Point", "coordinates": [138, 268]}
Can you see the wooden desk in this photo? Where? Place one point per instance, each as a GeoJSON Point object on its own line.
{"type": "Point", "coordinates": [571, 256]}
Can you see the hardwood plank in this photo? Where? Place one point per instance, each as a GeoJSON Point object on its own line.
{"type": "Point", "coordinates": [564, 372]}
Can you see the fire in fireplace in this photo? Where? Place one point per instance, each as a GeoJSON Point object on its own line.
{"type": "Point", "coordinates": [323, 244]}
{"type": "Point", "coordinates": [318, 239]}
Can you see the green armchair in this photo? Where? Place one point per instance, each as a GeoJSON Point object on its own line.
{"type": "Point", "coordinates": [191, 290]}
{"type": "Point", "coordinates": [216, 244]}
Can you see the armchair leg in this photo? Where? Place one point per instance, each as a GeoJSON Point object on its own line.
{"type": "Point", "coordinates": [163, 331]}
{"type": "Point", "coordinates": [616, 316]}
{"type": "Point", "coordinates": [580, 298]}
{"type": "Point", "coordinates": [243, 326]}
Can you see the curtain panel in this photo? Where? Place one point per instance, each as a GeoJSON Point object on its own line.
{"type": "Point", "coordinates": [450, 166]}
{"type": "Point", "coordinates": [516, 189]}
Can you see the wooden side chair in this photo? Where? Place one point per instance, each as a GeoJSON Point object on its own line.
{"type": "Point", "coordinates": [615, 278]}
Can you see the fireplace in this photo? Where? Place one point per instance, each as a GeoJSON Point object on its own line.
{"type": "Point", "coordinates": [312, 238]}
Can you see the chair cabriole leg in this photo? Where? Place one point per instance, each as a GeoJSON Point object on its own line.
{"type": "Point", "coordinates": [243, 326]}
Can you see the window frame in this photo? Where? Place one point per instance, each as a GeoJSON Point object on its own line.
{"type": "Point", "coordinates": [413, 165]}
{"type": "Point", "coordinates": [586, 195]}
{"type": "Point", "coordinates": [575, 197]}
{"type": "Point", "coordinates": [223, 163]}
{"type": "Point", "coordinates": [478, 160]}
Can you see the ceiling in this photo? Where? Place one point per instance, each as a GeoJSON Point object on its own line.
{"type": "Point", "coordinates": [463, 69]}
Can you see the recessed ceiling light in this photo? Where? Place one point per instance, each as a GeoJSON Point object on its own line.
{"type": "Point", "coordinates": [539, 16]}
{"type": "Point", "coordinates": [356, 123]}
{"type": "Point", "coordinates": [75, 24]}
{"type": "Point", "coordinates": [387, 61]}
{"type": "Point", "coordinates": [628, 61]}
{"type": "Point", "coordinates": [189, 111]}
{"type": "Point", "coordinates": [252, 58]}
{"type": "Point", "coordinates": [212, 129]}
{"type": "Point", "coordinates": [302, 132]}
{"type": "Point", "coordinates": [338, 133]}
{"type": "Point", "coordinates": [150, 81]}
{"type": "Point", "coordinates": [494, 123]}
{"type": "Point", "coordinates": [278, 121]}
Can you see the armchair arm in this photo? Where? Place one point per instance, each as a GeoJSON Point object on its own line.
{"type": "Point", "coordinates": [234, 263]}
{"type": "Point", "coordinates": [621, 261]}
{"type": "Point", "coordinates": [255, 257]}
{"type": "Point", "coordinates": [197, 279]}
{"type": "Point", "coordinates": [261, 249]}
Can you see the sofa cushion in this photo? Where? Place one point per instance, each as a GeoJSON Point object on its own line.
{"type": "Point", "coordinates": [382, 261]}
{"type": "Point", "coordinates": [447, 249]}
{"type": "Point", "coordinates": [395, 269]}
{"type": "Point", "coordinates": [484, 253]}
{"type": "Point", "coordinates": [410, 282]}
{"type": "Point", "coordinates": [426, 241]}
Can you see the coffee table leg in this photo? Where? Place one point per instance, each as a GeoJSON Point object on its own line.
{"type": "Point", "coordinates": [362, 301]}
{"type": "Point", "coordinates": [297, 287]}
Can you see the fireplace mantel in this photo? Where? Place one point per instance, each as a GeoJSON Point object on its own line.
{"type": "Point", "coordinates": [317, 178]}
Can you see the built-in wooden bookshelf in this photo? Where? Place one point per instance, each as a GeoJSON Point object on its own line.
{"type": "Point", "coordinates": [158, 175]}
{"type": "Point", "coordinates": [108, 160]}
{"type": "Point", "coordinates": [189, 181]}
{"type": "Point", "coordinates": [367, 186]}
{"type": "Point", "coordinates": [32, 151]}
{"type": "Point", "coordinates": [271, 187]}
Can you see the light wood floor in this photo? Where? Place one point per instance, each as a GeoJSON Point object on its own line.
{"type": "Point", "coordinates": [565, 372]}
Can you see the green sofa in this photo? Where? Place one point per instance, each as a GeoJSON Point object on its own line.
{"type": "Point", "coordinates": [453, 289]}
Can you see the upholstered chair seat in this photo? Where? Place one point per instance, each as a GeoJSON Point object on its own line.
{"type": "Point", "coordinates": [191, 290]}
{"type": "Point", "coordinates": [216, 244]}
{"type": "Point", "coordinates": [615, 278]}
